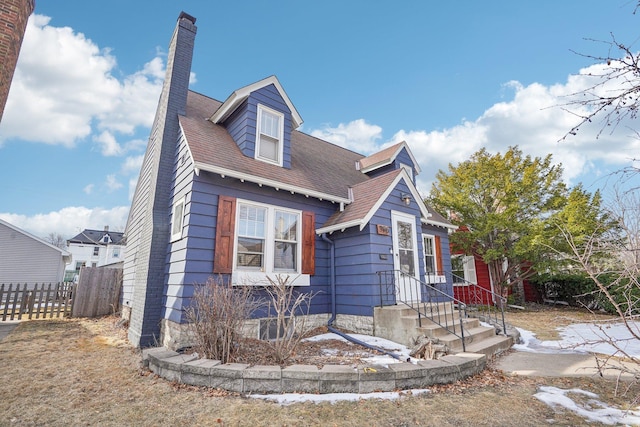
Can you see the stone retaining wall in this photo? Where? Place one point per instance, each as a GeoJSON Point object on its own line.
{"type": "Point", "coordinates": [242, 378]}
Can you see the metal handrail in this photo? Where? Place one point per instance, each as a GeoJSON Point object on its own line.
{"type": "Point", "coordinates": [482, 303]}
{"type": "Point", "coordinates": [435, 304]}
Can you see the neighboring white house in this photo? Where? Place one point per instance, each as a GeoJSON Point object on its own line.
{"type": "Point", "coordinates": [27, 259]}
{"type": "Point", "coordinates": [95, 248]}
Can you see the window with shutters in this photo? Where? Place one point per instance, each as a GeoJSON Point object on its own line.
{"type": "Point", "coordinates": [463, 269]}
{"type": "Point", "coordinates": [267, 238]}
{"type": "Point", "coordinates": [434, 272]}
{"type": "Point", "coordinates": [256, 240]}
{"type": "Point", "coordinates": [269, 135]}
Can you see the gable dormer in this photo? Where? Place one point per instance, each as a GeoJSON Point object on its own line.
{"type": "Point", "coordinates": [391, 158]}
{"type": "Point", "coordinates": [260, 118]}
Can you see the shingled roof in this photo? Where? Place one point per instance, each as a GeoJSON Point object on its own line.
{"type": "Point", "coordinates": [94, 237]}
{"type": "Point", "coordinates": [318, 168]}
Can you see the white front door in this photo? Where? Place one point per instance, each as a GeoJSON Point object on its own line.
{"type": "Point", "coordinates": [405, 256]}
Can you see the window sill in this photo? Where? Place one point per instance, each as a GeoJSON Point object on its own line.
{"type": "Point", "coordinates": [259, 278]}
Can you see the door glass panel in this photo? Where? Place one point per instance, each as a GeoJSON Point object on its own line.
{"type": "Point", "coordinates": [405, 248]}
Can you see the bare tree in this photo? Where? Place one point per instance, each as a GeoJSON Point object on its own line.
{"type": "Point", "coordinates": [612, 260]}
{"type": "Point", "coordinates": [217, 315]}
{"type": "Point", "coordinates": [613, 96]}
{"type": "Point", "coordinates": [57, 240]}
{"type": "Point", "coordinates": [291, 309]}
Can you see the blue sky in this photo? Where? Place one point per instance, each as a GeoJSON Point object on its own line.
{"type": "Point", "coordinates": [447, 77]}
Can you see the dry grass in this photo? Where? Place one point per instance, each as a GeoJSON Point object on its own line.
{"type": "Point", "coordinates": [82, 372]}
{"type": "Point", "coordinates": [544, 320]}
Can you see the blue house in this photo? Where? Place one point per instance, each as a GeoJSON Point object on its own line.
{"type": "Point", "coordinates": [232, 189]}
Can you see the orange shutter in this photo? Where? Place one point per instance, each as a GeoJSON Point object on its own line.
{"type": "Point", "coordinates": [439, 269]}
{"type": "Point", "coordinates": [308, 243]}
{"type": "Point", "coordinates": [225, 235]}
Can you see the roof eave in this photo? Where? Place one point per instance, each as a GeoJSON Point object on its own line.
{"type": "Point", "coordinates": [232, 102]}
{"type": "Point", "coordinates": [341, 226]}
{"type": "Point", "coordinates": [198, 166]}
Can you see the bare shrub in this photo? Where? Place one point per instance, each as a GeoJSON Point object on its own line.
{"type": "Point", "coordinates": [217, 313]}
{"type": "Point", "coordinates": [291, 308]}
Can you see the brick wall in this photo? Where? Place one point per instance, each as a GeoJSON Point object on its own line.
{"type": "Point", "coordinates": [13, 22]}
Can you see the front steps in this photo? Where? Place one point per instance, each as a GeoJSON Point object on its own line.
{"type": "Point", "coordinates": [400, 323]}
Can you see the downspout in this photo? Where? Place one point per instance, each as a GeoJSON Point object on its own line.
{"type": "Point", "coordinates": [332, 278]}
{"type": "Point", "coordinates": [332, 319]}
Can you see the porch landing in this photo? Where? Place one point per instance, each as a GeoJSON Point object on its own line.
{"type": "Point", "coordinates": [400, 323]}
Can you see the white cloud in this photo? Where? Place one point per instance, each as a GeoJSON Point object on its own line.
{"type": "Point", "coordinates": [109, 145]}
{"type": "Point", "coordinates": [112, 183]}
{"type": "Point", "coordinates": [357, 135]}
{"type": "Point", "coordinates": [132, 165]}
{"type": "Point", "coordinates": [532, 119]}
{"type": "Point", "coordinates": [64, 85]}
{"type": "Point", "coordinates": [70, 221]}
{"type": "Point", "coordinates": [88, 189]}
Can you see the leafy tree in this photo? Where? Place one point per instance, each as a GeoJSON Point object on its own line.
{"type": "Point", "coordinates": [584, 217]}
{"type": "Point", "coordinates": [503, 200]}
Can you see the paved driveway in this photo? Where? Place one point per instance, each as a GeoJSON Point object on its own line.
{"type": "Point", "coordinates": [6, 328]}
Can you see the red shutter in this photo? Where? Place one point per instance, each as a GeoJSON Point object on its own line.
{"type": "Point", "coordinates": [438, 255]}
{"type": "Point", "coordinates": [308, 243]}
{"type": "Point", "coordinates": [225, 229]}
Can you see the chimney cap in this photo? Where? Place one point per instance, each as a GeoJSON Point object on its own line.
{"type": "Point", "coordinates": [185, 15]}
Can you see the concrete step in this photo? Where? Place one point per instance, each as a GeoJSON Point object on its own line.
{"type": "Point", "coordinates": [474, 335]}
{"type": "Point", "coordinates": [491, 346]}
{"type": "Point", "coordinates": [434, 330]}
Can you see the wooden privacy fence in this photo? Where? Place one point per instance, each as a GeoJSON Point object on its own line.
{"type": "Point", "coordinates": [98, 292]}
{"type": "Point", "coordinates": [36, 301]}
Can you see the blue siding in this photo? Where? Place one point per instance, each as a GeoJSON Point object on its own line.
{"type": "Point", "coordinates": [270, 97]}
{"type": "Point", "coordinates": [197, 254]}
{"type": "Point", "coordinates": [359, 254]}
{"type": "Point", "coordinates": [242, 123]}
{"type": "Point", "coordinates": [403, 157]}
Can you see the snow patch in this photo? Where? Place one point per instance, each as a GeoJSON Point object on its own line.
{"type": "Point", "coordinates": [592, 410]}
{"type": "Point", "coordinates": [291, 398]}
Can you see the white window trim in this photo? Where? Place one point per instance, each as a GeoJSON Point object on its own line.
{"type": "Point", "coordinates": [249, 276]}
{"type": "Point", "coordinates": [280, 149]}
{"type": "Point", "coordinates": [467, 261]}
{"type": "Point", "coordinates": [431, 278]}
{"type": "Point", "coordinates": [177, 235]}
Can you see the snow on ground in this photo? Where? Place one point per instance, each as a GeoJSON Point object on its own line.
{"type": "Point", "coordinates": [290, 398]}
{"type": "Point", "coordinates": [577, 338]}
{"type": "Point", "coordinates": [584, 338]}
{"type": "Point", "coordinates": [593, 410]}
{"type": "Point", "coordinates": [398, 349]}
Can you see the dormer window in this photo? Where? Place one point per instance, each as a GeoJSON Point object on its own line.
{"type": "Point", "coordinates": [269, 144]}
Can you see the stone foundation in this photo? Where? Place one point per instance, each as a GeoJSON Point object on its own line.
{"type": "Point", "coordinates": [175, 336]}
{"type": "Point", "coordinates": [356, 324]}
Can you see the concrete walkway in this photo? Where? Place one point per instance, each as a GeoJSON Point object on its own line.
{"type": "Point", "coordinates": [558, 365]}
{"type": "Point", "coordinates": [7, 327]}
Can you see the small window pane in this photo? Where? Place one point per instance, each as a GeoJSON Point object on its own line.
{"type": "Point", "coordinates": [286, 226]}
{"type": "Point", "coordinates": [250, 252]}
{"type": "Point", "coordinates": [252, 221]}
{"type": "Point", "coordinates": [405, 237]}
{"type": "Point", "coordinates": [270, 124]}
{"type": "Point", "coordinates": [269, 148]}
{"type": "Point", "coordinates": [285, 256]}
{"type": "Point", "coordinates": [177, 219]}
